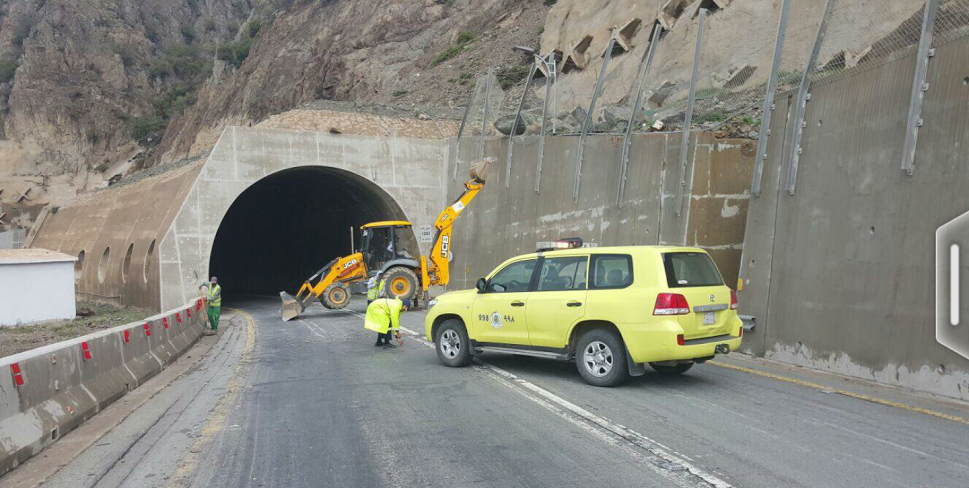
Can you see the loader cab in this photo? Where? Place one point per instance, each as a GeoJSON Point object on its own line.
{"type": "Point", "coordinates": [382, 242]}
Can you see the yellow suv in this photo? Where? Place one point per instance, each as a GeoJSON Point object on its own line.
{"type": "Point", "coordinates": [611, 309]}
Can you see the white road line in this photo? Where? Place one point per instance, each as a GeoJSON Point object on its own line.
{"type": "Point", "coordinates": [662, 460]}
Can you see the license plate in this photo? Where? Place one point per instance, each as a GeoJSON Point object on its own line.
{"type": "Point", "coordinates": [709, 318]}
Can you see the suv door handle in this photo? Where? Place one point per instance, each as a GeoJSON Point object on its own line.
{"type": "Point", "coordinates": [573, 304]}
{"type": "Point", "coordinates": [517, 304]}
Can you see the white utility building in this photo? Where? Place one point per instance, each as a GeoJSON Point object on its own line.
{"type": "Point", "coordinates": [36, 285]}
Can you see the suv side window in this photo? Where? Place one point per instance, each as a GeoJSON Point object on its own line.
{"type": "Point", "coordinates": [512, 278]}
{"type": "Point", "coordinates": [611, 271]}
{"type": "Point", "coordinates": [566, 273]}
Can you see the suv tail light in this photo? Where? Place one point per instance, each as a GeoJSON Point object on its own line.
{"type": "Point", "coordinates": [679, 340]}
{"type": "Point", "coordinates": [671, 304]}
{"type": "Point", "coordinates": [733, 300]}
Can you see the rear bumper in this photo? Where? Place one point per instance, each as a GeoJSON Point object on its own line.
{"type": "Point", "coordinates": [657, 342]}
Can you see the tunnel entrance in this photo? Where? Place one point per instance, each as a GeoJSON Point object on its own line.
{"type": "Point", "coordinates": [288, 225]}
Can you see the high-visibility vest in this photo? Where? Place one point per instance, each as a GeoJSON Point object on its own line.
{"type": "Point", "coordinates": [213, 301]}
{"type": "Point", "coordinates": [383, 315]}
{"type": "Point", "coordinates": [375, 290]}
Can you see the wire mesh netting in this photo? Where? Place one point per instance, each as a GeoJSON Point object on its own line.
{"type": "Point", "coordinates": [486, 106]}
{"type": "Point", "coordinates": [733, 75]}
{"type": "Point", "coordinates": [951, 21]}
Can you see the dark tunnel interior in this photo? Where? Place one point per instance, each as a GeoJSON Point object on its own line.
{"type": "Point", "coordinates": [288, 225]}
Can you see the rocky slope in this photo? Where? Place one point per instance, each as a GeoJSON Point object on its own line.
{"type": "Point", "coordinates": [85, 86]}
{"type": "Point", "coordinates": [379, 50]}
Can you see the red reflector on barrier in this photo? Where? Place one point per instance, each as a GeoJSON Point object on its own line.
{"type": "Point", "coordinates": [127, 335]}
{"type": "Point", "coordinates": [188, 311]}
{"type": "Point", "coordinates": [165, 322]}
{"type": "Point", "coordinates": [178, 317]}
{"type": "Point", "coordinates": [18, 377]}
{"type": "Point", "coordinates": [86, 350]}
{"type": "Point", "coordinates": [147, 330]}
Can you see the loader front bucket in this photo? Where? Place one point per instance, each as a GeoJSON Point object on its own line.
{"type": "Point", "coordinates": [292, 307]}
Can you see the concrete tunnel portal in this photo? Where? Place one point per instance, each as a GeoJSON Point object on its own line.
{"type": "Point", "coordinates": [288, 225]}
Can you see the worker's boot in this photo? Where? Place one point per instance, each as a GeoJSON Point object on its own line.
{"type": "Point", "coordinates": [388, 345]}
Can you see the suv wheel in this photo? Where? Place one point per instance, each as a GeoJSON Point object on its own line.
{"type": "Point", "coordinates": [601, 358]}
{"type": "Point", "coordinates": [678, 369]}
{"type": "Point", "coordinates": [452, 344]}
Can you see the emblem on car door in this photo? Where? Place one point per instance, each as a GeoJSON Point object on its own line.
{"type": "Point", "coordinates": [496, 320]}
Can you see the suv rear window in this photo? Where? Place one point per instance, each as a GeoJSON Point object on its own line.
{"type": "Point", "coordinates": [686, 269]}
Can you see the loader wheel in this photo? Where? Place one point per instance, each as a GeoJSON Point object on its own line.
{"type": "Point", "coordinates": [336, 296]}
{"type": "Point", "coordinates": [401, 283]}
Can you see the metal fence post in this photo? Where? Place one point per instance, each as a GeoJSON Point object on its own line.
{"type": "Point", "coordinates": [688, 116]}
{"type": "Point", "coordinates": [464, 120]}
{"type": "Point", "coordinates": [484, 115]}
{"type": "Point", "coordinates": [800, 107]}
{"type": "Point", "coordinates": [518, 116]}
{"type": "Point", "coordinates": [549, 91]}
{"type": "Point", "coordinates": [919, 86]}
{"type": "Point", "coordinates": [590, 114]}
{"type": "Point", "coordinates": [637, 105]}
{"type": "Point", "coordinates": [761, 157]}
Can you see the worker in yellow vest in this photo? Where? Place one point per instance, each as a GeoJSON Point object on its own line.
{"type": "Point", "coordinates": [375, 288]}
{"type": "Point", "coordinates": [213, 296]}
{"type": "Point", "coordinates": [383, 316]}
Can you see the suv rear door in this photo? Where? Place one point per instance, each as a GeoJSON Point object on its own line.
{"type": "Point", "coordinates": [694, 275]}
{"type": "Point", "coordinates": [558, 300]}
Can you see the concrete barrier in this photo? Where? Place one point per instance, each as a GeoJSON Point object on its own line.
{"type": "Point", "coordinates": [66, 383]}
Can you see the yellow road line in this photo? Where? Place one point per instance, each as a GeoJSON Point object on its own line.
{"type": "Point", "coordinates": [867, 398]}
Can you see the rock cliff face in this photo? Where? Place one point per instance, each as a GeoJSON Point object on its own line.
{"type": "Point", "coordinates": [85, 86]}
{"type": "Point", "coordinates": [377, 50]}
{"type": "Point", "coordinates": [91, 90]}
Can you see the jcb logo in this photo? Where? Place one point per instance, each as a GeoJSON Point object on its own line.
{"type": "Point", "coordinates": [445, 244]}
{"type": "Point", "coordinates": [352, 262]}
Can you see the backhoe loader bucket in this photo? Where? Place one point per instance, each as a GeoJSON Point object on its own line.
{"type": "Point", "coordinates": [479, 170]}
{"type": "Point", "coordinates": [292, 307]}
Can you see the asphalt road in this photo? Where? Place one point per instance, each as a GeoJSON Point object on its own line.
{"type": "Point", "coordinates": [312, 403]}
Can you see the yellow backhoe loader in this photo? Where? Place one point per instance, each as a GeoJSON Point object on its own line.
{"type": "Point", "coordinates": [380, 251]}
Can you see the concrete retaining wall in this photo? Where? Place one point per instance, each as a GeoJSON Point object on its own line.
{"type": "Point", "coordinates": [508, 220]}
{"type": "Point", "coordinates": [841, 274]}
{"type": "Point", "coordinates": [62, 389]}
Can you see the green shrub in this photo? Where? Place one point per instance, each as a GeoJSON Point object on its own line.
{"type": "Point", "coordinates": [22, 31]}
{"type": "Point", "coordinates": [143, 127]}
{"type": "Point", "coordinates": [252, 28]}
{"type": "Point", "coordinates": [234, 52]}
{"type": "Point", "coordinates": [549, 3]}
{"type": "Point", "coordinates": [510, 76]}
{"type": "Point", "coordinates": [464, 38]}
{"type": "Point", "coordinates": [7, 69]}
{"type": "Point", "coordinates": [184, 62]}
{"type": "Point", "coordinates": [188, 32]}
{"type": "Point", "coordinates": [400, 93]}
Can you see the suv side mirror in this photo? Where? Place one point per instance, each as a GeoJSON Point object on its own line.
{"type": "Point", "coordinates": [481, 285]}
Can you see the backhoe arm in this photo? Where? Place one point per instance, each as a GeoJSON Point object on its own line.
{"type": "Point", "coordinates": [439, 268]}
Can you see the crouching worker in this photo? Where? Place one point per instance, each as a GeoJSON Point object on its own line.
{"type": "Point", "coordinates": [383, 316]}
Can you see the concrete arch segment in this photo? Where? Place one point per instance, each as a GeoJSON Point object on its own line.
{"type": "Point", "coordinates": [410, 171]}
